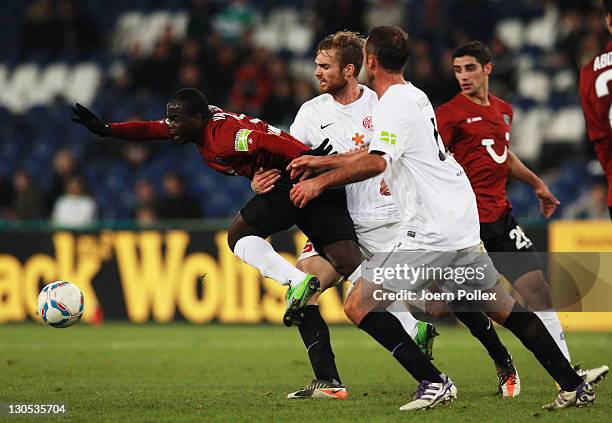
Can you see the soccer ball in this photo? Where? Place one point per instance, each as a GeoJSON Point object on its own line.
{"type": "Point", "coordinates": [60, 304]}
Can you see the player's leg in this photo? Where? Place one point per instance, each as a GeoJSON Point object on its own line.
{"type": "Point", "coordinates": [515, 257]}
{"type": "Point", "coordinates": [315, 333]}
{"type": "Point", "coordinates": [524, 324]}
{"type": "Point", "coordinates": [251, 246]}
{"type": "Point", "coordinates": [264, 215]}
{"type": "Point", "coordinates": [371, 316]}
{"type": "Point", "coordinates": [480, 326]}
{"type": "Point", "coordinates": [376, 236]}
{"type": "Point", "coordinates": [530, 330]}
{"type": "Point", "coordinates": [367, 311]}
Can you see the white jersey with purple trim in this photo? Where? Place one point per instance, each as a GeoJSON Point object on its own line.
{"type": "Point", "coordinates": [348, 127]}
{"type": "Point", "coordinates": [430, 188]}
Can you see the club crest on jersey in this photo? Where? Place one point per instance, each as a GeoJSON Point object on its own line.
{"type": "Point", "coordinates": [367, 122]}
{"type": "Point", "coordinates": [506, 118]}
{"type": "Point", "coordinates": [242, 140]}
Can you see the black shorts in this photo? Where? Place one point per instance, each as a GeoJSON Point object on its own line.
{"type": "Point", "coordinates": [325, 220]}
{"type": "Point", "coordinates": [512, 253]}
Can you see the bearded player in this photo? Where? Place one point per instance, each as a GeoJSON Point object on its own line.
{"type": "Point", "coordinates": [475, 127]}
{"type": "Point", "coordinates": [343, 114]}
{"type": "Point", "coordinates": [596, 101]}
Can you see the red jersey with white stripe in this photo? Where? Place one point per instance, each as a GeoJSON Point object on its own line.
{"type": "Point", "coordinates": [596, 99]}
{"type": "Point", "coordinates": [479, 137]}
{"type": "Point", "coordinates": [232, 144]}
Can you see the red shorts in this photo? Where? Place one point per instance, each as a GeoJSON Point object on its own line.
{"type": "Point", "coordinates": [603, 148]}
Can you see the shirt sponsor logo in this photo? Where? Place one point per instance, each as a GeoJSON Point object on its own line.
{"type": "Point", "coordinates": [388, 137]}
{"type": "Point", "coordinates": [358, 139]}
{"type": "Point", "coordinates": [367, 122]}
{"type": "Point", "coordinates": [474, 119]}
{"type": "Point", "coordinates": [241, 142]}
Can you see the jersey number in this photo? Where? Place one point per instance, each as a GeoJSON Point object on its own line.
{"type": "Point", "coordinates": [441, 150]}
{"type": "Point", "coordinates": [520, 239]}
{"type": "Point", "coordinates": [601, 89]}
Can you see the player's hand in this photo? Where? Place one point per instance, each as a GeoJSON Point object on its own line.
{"type": "Point", "coordinates": [548, 202]}
{"type": "Point", "coordinates": [303, 192]}
{"type": "Point", "coordinates": [86, 117]}
{"type": "Point", "coordinates": [304, 165]}
{"type": "Point", "coordinates": [384, 188]}
{"type": "Point", "coordinates": [263, 180]}
{"type": "Point", "coordinates": [322, 149]}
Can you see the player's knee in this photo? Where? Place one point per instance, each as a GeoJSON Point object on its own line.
{"type": "Point", "coordinates": [437, 309]}
{"type": "Point", "coordinates": [535, 290]}
{"type": "Point", "coordinates": [232, 239]}
{"type": "Point", "coordinates": [304, 267]}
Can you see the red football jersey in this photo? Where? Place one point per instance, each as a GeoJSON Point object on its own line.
{"type": "Point", "coordinates": [596, 100]}
{"type": "Point", "coordinates": [232, 144]}
{"type": "Point", "coordinates": [595, 95]}
{"type": "Point", "coordinates": [479, 136]}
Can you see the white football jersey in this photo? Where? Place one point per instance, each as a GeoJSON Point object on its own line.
{"type": "Point", "coordinates": [430, 188]}
{"type": "Point", "coordinates": [348, 127]}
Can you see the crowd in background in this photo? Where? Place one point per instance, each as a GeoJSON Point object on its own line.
{"type": "Point", "coordinates": [149, 181]}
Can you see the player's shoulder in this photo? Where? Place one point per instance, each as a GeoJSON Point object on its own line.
{"type": "Point", "coordinates": [407, 96]}
{"type": "Point", "coordinates": [451, 108]}
{"type": "Point", "coordinates": [316, 105]}
{"type": "Point", "coordinates": [499, 103]}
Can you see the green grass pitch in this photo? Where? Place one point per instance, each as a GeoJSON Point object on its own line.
{"type": "Point", "coordinates": [181, 372]}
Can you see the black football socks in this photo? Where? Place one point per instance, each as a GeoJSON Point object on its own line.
{"type": "Point", "coordinates": [387, 330]}
{"type": "Point", "coordinates": [533, 334]}
{"type": "Point", "coordinates": [482, 328]}
{"type": "Point", "coordinates": [315, 334]}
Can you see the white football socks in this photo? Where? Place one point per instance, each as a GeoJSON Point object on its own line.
{"type": "Point", "coordinates": [258, 252]}
{"type": "Point", "coordinates": [400, 311]}
{"type": "Point", "coordinates": [552, 323]}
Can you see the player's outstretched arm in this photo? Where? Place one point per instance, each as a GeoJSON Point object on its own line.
{"type": "Point", "coordinates": [354, 168]}
{"type": "Point", "coordinates": [518, 170]}
{"type": "Point", "coordinates": [135, 130]}
{"type": "Point", "coordinates": [87, 118]}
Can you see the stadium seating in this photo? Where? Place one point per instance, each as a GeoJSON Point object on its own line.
{"type": "Point", "coordinates": [37, 88]}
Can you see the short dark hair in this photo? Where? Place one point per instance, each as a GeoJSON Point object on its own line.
{"type": "Point", "coordinates": [193, 100]}
{"type": "Point", "coordinates": [476, 49]}
{"type": "Point", "coordinates": [607, 6]}
{"type": "Point", "coordinates": [391, 47]}
{"type": "Point", "coordinates": [349, 45]}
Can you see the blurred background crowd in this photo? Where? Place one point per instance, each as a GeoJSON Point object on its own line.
{"type": "Point", "coordinates": [124, 59]}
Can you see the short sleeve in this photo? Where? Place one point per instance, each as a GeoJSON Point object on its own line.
{"type": "Point", "coordinates": [387, 136]}
{"type": "Point", "coordinates": [299, 128]}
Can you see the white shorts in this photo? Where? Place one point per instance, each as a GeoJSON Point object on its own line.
{"type": "Point", "coordinates": [414, 270]}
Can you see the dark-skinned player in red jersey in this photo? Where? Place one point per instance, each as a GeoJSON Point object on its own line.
{"type": "Point", "coordinates": [596, 101]}
{"type": "Point", "coordinates": [236, 144]}
{"type": "Point", "coordinates": [475, 127]}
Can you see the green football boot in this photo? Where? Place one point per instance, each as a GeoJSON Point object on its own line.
{"type": "Point", "coordinates": [297, 298]}
{"type": "Point", "coordinates": [425, 338]}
